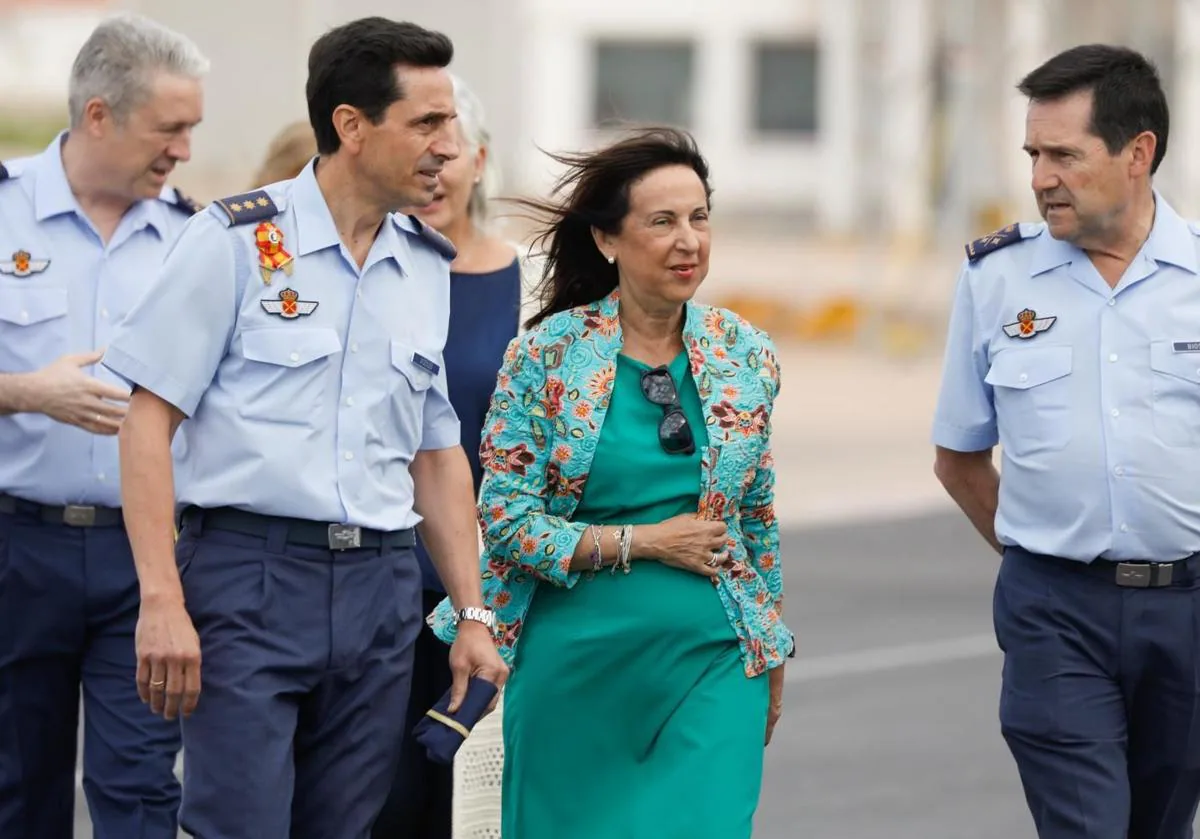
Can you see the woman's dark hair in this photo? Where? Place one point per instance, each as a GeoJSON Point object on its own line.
{"type": "Point", "coordinates": [595, 192]}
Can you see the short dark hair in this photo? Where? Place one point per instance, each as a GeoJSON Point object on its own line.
{"type": "Point", "coordinates": [598, 184]}
{"type": "Point", "coordinates": [1127, 95]}
{"type": "Point", "coordinates": [355, 64]}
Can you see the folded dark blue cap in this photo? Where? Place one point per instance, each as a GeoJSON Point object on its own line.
{"type": "Point", "coordinates": [441, 733]}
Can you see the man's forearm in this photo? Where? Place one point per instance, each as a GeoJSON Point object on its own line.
{"type": "Point", "coordinates": [148, 495]}
{"type": "Point", "coordinates": [445, 500]}
{"type": "Point", "coordinates": [973, 483]}
{"type": "Point", "coordinates": [17, 395]}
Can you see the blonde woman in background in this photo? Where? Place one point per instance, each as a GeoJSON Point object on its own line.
{"type": "Point", "coordinates": [288, 153]}
{"type": "Point", "coordinates": [487, 306]}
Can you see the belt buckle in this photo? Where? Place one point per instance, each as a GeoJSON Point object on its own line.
{"type": "Point", "coordinates": [1133, 574]}
{"type": "Point", "coordinates": [343, 537]}
{"type": "Point", "coordinates": [78, 515]}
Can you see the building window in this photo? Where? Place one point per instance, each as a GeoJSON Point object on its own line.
{"type": "Point", "coordinates": [643, 82]}
{"type": "Point", "coordinates": [785, 87]}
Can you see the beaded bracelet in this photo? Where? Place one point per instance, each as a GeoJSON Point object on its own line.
{"type": "Point", "coordinates": [596, 557]}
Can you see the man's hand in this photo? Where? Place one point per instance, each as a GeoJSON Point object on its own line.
{"type": "Point", "coordinates": [63, 392]}
{"type": "Point", "coordinates": [474, 654]}
{"type": "Point", "coordinates": [775, 706]}
{"type": "Point", "coordinates": [168, 658]}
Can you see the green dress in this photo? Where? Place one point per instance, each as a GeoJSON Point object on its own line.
{"type": "Point", "coordinates": [628, 714]}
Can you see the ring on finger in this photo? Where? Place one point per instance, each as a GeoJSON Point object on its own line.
{"type": "Point", "coordinates": [715, 560]}
{"type": "Point", "coordinates": [159, 684]}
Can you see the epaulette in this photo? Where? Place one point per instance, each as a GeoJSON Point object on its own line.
{"type": "Point", "coordinates": [186, 204]}
{"type": "Point", "coordinates": [3, 173]}
{"type": "Point", "coordinates": [439, 242]}
{"type": "Point", "coordinates": [1001, 238]}
{"type": "Point", "coordinates": [248, 207]}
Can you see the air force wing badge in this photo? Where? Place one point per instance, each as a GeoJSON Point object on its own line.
{"type": "Point", "coordinates": [289, 305]}
{"type": "Point", "coordinates": [1028, 324]}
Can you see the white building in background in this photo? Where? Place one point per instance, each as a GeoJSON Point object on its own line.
{"type": "Point", "coordinates": [894, 119]}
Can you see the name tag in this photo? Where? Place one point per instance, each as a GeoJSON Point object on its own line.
{"type": "Point", "coordinates": [432, 368]}
{"type": "Point", "coordinates": [1186, 346]}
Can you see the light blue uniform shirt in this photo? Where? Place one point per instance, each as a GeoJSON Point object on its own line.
{"type": "Point", "coordinates": [1097, 411]}
{"type": "Point", "coordinates": [315, 416]}
{"type": "Point", "coordinates": [62, 290]}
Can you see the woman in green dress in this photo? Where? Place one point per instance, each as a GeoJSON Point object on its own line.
{"type": "Point", "coordinates": [630, 543]}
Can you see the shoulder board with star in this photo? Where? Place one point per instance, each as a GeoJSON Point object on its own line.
{"type": "Point", "coordinates": [993, 242]}
{"type": "Point", "coordinates": [186, 204]}
{"type": "Point", "coordinates": [439, 242]}
{"type": "Point", "coordinates": [248, 207]}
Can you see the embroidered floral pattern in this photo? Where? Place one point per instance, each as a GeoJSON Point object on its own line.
{"type": "Point", "coordinates": [540, 437]}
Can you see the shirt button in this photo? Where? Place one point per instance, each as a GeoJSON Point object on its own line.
{"type": "Point", "coordinates": [358, 293]}
{"type": "Point", "coordinates": [1124, 528]}
{"type": "Point", "coordinates": [294, 356]}
{"type": "Point", "coordinates": [101, 477]}
{"type": "Point", "coordinates": [1024, 377]}
{"type": "Point", "coordinates": [24, 316]}
{"type": "Point", "coordinates": [354, 347]}
{"type": "Point", "coordinates": [1113, 358]}
{"type": "Point", "coordinates": [104, 313]}
{"type": "Point", "coordinates": [350, 401]}
{"type": "Point", "coordinates": [1115, 412]}
{"type": "Point", "coordinates": [348, 455]}
{"type": "Point", "coordinates": [1119, 471]}
{"type": "Point", "coordinates": [1112, 301]}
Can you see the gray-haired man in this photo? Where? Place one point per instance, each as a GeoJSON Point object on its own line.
{"type": "Point", "coordinates": [84, 227]}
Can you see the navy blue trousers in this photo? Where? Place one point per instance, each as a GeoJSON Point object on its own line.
{"type": "Point", "coordinates": [1100, 704]}
{"type": "Point", "coordinates": [306, 660]}
{"type": "Point", "coordinates": [68, 610]}
{"type": "Point", "coordinates": [419, 805]}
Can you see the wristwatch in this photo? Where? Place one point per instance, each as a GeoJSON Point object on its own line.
{"type": "Point", "coordinates": [478, 614]}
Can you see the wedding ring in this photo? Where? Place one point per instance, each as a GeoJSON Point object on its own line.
{"type": "Point", "coordinates": [716, 559]}
{"type": "Point", "coordinates": [158, 684]}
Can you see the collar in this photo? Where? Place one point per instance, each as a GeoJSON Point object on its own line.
{"type": "Point", "coordinates": [1170, 241]}
{"type": "Point", "coordinates": [53, 196]}
{"type": "Point", "coordinates": [316, 230]}
{"type": "Point", "coordinates": [609, 339]}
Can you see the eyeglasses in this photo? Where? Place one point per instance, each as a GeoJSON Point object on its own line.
{"type": "Point", "coordinates": [674, 432]}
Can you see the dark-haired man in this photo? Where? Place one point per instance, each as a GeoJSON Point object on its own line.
{"type": "Point", "coordinates": [1075, 345]}
{"type": "Point", "coordinates": [297, 333]}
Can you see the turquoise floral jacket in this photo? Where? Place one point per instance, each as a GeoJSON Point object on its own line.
{"type": "Point", "coordinates": [540, 435]}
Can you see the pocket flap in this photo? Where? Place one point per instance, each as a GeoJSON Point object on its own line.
{"type": "Point", "coordinates": [1023, 369]}
{"type": "Point", "coordinates": [1182, 365]}
{"type": "Point", "coordinates": [416, 366]}
{"type": "Point", "coordinates": [32, 305]}
{"type": "Point", "coordinates": [290, 347]}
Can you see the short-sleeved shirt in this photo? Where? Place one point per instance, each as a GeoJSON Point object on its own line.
{"type": "Point", "coordinates": [309, 384]}
{"type": "Point", "coordinates": [1092, 392]}
{"type": "Point", "coordinates": [63, 290]}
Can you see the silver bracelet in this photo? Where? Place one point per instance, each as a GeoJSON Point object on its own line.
{"type": "Point", "coordinates": [626, 546]}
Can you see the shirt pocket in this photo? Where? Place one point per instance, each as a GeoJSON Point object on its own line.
{"type": "Point", "coordinates": [1176, 395]}
{"type": "Point", "coordinates": [286, 375]}
{"type": "Point", "coordinates": [408, 390]}
{"type": "Point", "coordinates": [33, 328]}
{"type": "Point", "coordinates": [1032, 390]}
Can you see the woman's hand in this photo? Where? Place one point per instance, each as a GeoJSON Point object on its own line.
{"type": "Point", "coordinates": [686, 542]}
{"type": "Point", "coordinates": [775, 705]}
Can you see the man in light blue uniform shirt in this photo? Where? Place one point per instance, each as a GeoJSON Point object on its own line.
{"type": "Point", "coordinates": [84, 227]}
{"type": "Point", "coordinates": [1075, 345]}
{"type": "Point", "coordinates": [297, 333]}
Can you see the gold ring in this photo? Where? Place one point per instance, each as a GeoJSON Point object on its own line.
{"type": "Point", "coordinates": [158, 684]}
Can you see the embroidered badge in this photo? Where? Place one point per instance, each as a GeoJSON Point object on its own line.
{"type": "Point", "coordinates": [289, 305]}
{"type": "Point", "coordinates": [271, 255]}
{"type": "Point", "coordinates": [23, 264]}
{"type": "Point", "coordinates": [425, 364]}
{"type": "Point", "coordinates": [1028, 324]}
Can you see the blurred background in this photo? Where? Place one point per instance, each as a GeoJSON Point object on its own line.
{"type": "Point", "coordinates": [856, 145]}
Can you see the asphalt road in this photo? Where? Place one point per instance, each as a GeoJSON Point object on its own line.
{"type": "Point", "coordinates": [890, 727]}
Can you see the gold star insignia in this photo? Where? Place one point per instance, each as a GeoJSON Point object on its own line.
{"type": "Point", "coordinates": [262, 202]}
{"type": "Point", "coordinates": [235, 207]}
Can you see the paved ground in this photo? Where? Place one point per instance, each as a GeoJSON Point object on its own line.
{"type": "Point", "coordinates": [890, 726]}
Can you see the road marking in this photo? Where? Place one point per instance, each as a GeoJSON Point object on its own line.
{"type": "Point", "coordinates": [878, 659]}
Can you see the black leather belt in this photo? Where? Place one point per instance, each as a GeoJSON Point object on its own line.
{"type": "Point", "coordinates": [335, 537]}
{"type": "Point", "coordinates": [72, 515]}
{"type": "Point", "coordinates": [1132, 573]}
